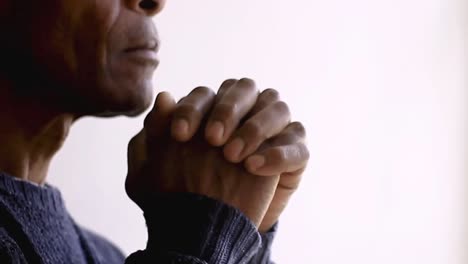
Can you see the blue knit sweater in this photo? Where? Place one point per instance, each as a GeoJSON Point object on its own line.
{"type": "Point", "coordinates": [35, 227]}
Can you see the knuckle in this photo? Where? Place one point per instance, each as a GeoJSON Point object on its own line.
{"type": "Point", "coordinates": [248, 81]}
{"type": "Point", "coordinates": [228, 82]}
{"type": "Point", "coordinates": [247, 84]}
{"type": "Point", "coordinates": [298, 129]}
{"type": "Point", "coordinates": [278, 155]}
{"type": "Point", "coordinates": [281, 140]}
{"type": "Point", "coordinates": [203, 90]}
{"type": "Point", "coordinates": [281, 107]}
{"type": "Point", "coordinates": [225, 111]}
{"type": "Point", "coordinates": [306, 153]}
{"type": "Point", "coordinates": [186, 110]}
{"type": "Point", "coordinates": [271, 94]}
{"type": "Point", "coordinates": [303, 152]}
{"type": "Point", "coordinates": [254, 131]}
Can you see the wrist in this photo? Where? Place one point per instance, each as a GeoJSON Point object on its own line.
{"type": "Point", "coordinates": [201, 227]}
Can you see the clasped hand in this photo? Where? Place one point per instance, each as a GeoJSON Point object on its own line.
{"type": "Point", "coordinates": [238, 146]}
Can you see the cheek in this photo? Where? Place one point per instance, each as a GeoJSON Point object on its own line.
{"type": "Point", "coordinates": [91, 38]}
{"type": "Point", "coordinates": [47, 36]}
{"type": "Point", "coordinates": [99, 39]}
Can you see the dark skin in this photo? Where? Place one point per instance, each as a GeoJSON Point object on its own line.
{"type": "Point", "coordinates": [76, 58]}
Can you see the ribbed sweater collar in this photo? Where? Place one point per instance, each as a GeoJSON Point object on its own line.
{"type": "Point", "coordinates": [44, 197]}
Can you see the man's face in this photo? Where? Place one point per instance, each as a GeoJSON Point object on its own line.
{"type": "Point", "coordinates": [87, 56]}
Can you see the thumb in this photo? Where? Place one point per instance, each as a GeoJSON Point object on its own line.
{"type": "Point", "coordinates": [157, 122]}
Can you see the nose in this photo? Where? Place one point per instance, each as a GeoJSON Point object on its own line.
{"type": "Point", "coordinates": [146, 7]}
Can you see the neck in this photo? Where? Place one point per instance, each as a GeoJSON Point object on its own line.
{"type": "Point", "coordinates": [31, 133]}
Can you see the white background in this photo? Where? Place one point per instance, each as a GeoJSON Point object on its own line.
{"type": "Point", "coordinates": [381, 87]}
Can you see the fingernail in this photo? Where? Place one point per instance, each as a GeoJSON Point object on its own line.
{"type": "Point", "coordinates": [216, 131]}
{"type": "Point", "coordinates": [181, 127]}
{"type": "Point", "coordinates": [256, 162]}
{"type": "Point", "coordinates": [235, 148]}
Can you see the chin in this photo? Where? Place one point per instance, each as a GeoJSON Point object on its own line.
{"type": "Point", "coordinates": [130, 109]}
{"type": "Point", "coordinates": [118, 100]}
{"type": "Point", "coordinates": [126, 89]}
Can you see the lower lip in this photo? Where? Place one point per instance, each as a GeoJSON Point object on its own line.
{"type": "Point", "coordinates": [142, 56]}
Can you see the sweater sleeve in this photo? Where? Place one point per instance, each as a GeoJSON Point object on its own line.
{"type": "Point", "coordinates": [9, 250]}
{"type": "Point", "coordinates": [263, 255]}
{"type": "Point", "coordinates": [193, 229]}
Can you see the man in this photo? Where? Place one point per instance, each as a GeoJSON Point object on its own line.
{"type": "Point", "coordinates": [212, 173]}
